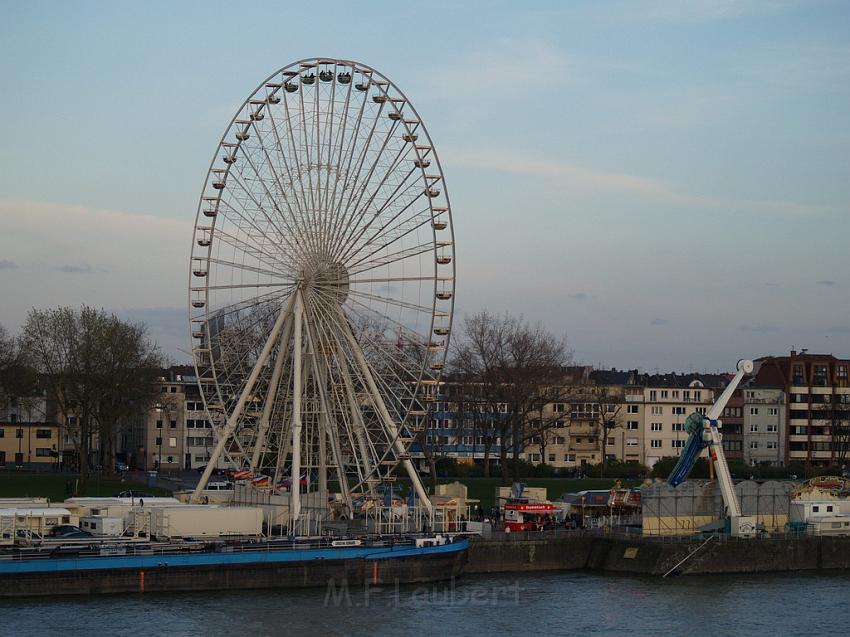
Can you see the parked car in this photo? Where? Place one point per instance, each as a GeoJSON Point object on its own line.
{"type": "Point", "coordinates": [216, 472]}
{"type": "Point", "coordinates": [68, 531]}
{"type": "Point", "coordinates": [135, 494]}
{"type": "Point", "coordinates": [121, 466]}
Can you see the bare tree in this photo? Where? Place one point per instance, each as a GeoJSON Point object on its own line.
{"type": "Point", "coordinates": [95, 367]}
{"type": "Point", "coordinates": [839, 426]}
{"type": "Point", "coordinates": [520, 368]}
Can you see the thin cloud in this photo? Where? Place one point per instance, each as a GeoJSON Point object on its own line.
{"type": "Point", "coordinates": [763, 328]}
{"type": "Point", "coordinates": [526, 62]}
{"type": "Point", "coordinates": [658, 322]}
{"type": "Point", "coordinates": [826, 283]}
{"type": "Point", "coordinates": [838, 329]}
{"type": "Point", "coordinates": [580, 296]}
{"type": "Point", "coordinates": [75, 269]}
{"type": "Point", "coordinates": [699, 10]}
{"type": "Point", "coordinates": [5, 264]}
{"type": "Point", "coordinates": [572, 177]}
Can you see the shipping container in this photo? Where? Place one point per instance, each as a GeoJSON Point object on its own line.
{"type": "Point", "coordinates": [205, 521]}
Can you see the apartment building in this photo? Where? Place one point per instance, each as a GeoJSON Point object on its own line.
{"type": "Point", "coordinates": [817, 406]}
{"type": "Point", "coordinates": [668, 401]}
{"type": "Point", "coordinates": [176, 432]}
{"type": "Point", "coordinates": [29, 433]}
{"type": "Point", "coordinates": [764, 426]}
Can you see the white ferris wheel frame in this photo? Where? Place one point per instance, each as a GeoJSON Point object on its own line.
{"type": "Point", "coordinates": [302, 346]}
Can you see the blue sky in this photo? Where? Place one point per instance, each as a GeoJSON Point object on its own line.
{"type": "Point", "coordinates": [665, 182]}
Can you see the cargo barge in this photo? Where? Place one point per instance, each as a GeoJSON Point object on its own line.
{"type": "Point", "coordinates": [200, 566]}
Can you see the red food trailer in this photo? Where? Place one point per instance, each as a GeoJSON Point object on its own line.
{"type": "Point", "coordinates": [525, 516]}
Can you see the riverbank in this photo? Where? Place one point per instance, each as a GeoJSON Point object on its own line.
{"type": "Point", "coordinates": [637, 555]}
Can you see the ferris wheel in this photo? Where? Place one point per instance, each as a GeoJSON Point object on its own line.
{"type": "Point", "coordinates": [322, 281]}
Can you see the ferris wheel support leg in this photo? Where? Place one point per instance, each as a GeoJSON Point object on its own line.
{"type": "Point", "coordinates": [272, 394]}
{"type": "Point", "coordinates": [326, 432]}
{"type": "Point", "coordinates": [381, 408]}
{"type": "Point", "coordinates": [233, 419]}
{"type": "Point", "coordinates": [295, 485]}
{"type": "Point", "coordinates": [356, 416]}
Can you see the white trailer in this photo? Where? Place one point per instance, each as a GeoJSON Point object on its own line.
{"type": "Point", "coordinates": [102, 525]}
{"type": "Point", "coordinates": [198, 520]}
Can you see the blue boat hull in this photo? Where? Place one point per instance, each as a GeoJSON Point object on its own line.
{"type": "Point", "coordinates": [276, 568]}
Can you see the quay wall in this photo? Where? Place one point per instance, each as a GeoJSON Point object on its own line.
{"type": "Point", "coordinates": [654, 556]}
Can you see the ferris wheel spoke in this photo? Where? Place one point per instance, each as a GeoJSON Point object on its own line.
{"type": "Point", "coordinates": [256, 251]}
{"type": "Point", "coordinates": [250, 268]}
{"type": "Point", "coordinates": [349, 152]}
{"type": "Point", "coordinates": [360, 364]}
{"type": "Point", "coordinates": [299, 203]}
{"type": "Point", "coordinates": [366, 263]}
{"type": "Point", "coordinates": [250, 222]}
{"type": "Point", "coordinates": [239, 306]}
{"type": "Point", "coordinates": [391, 301]}
{"type": "Point", "coordinates": [354, 243]}
{"type": "Point", "coordinates": [344, 203]}
{"type": "Point", "coordinates": [352, 206]}
{"type": "Point", "coordinates": [402, 152]}
{"type": "Point", "coordinates": [297, 162]}
{"type": "Point", "coordinates": [271, 198]}
{"type": "Point", "coordinates": [246, 286]}
{"type": "Point", "coordinates": [269, 219]}
{"type": "Point", "coordinates": [402, 228]}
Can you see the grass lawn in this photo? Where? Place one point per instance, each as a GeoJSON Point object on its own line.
{"type": "Point", "coordinates": [52, 486]}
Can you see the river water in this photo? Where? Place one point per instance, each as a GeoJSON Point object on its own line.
{"type": "Point", "coordinates": [538, 605]}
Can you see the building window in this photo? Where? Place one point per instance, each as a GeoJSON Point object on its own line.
{"type": "Point", "coordinates": [653, 395]}
{"type": "Point", "coordinates": [754, 411]}
{"type": "Point", "coordinates": [754, 429]}
{"type": "Point", "coordinates": [159, 424]}
{"type": "Point", "coordinates": [678, 411]}
{"type": "Point", "coordinates": [655, 444]}
{"type": "Point", "coordinates": [2, 432]}
{"type": "Point", "coordinates": [678, 444]}
{"type": "Point", "coordinates": [633, 425]}
{"type": "Point", "coordinates": [611, 440]}
{"type": "Point", "coordinates": [172, 424]}
{"type": "Point", "coordinates": [772, 411]}
{"type": "Point", "coordinates": [772, 429]}
{"type": "Point", "coordinates": [43, 433]}
{"type": "Point", "coordinates": [678, 426]}
{"type": "Point", "coordinates": [631, 442]}
{"type": "Point", "coordinates": [19, 433]}
{"type": "Point", "coordinates": [551, 457]}
{"type": "Point", "coordinates": [771, 444]}
{"type": "Point", "coordinates": [657, 410]}
{"type": "Point", "coordinates": [558, 408]}
{"type": "Point", "coordinates": [656, 426]}
{"type": "Point", "coordinates": [664, 393]}
{"type": "Point", "coordinates": [158, 441]}
{"type": "Point", "coordinates": [569, 457]}
{"type": "Point", "coordinates": [632, 409]}
{"type": "Point", "coordinates": [754, 444]}
{"type": "Point", "coordinates": [43, 452]}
